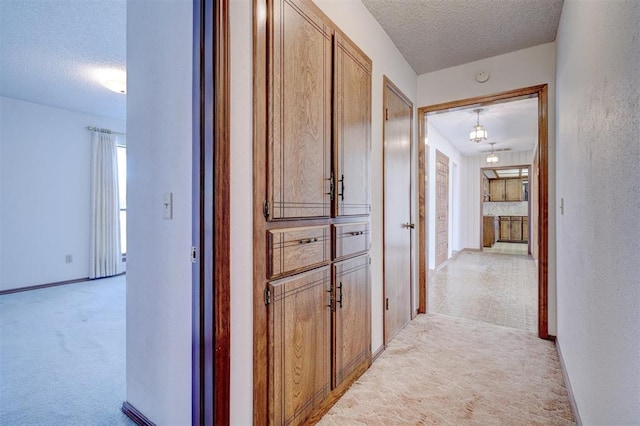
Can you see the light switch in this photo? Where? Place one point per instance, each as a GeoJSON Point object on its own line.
{"type": "Point", "coordinates": [167, 205]}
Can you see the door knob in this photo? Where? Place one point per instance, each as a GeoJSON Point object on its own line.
{"type": "Point", "coordinates": [409, 225]}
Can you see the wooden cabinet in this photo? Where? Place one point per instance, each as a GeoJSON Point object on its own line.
{"type": "Point", "coordinates": [496, 189]}
{"type": "Point", "coordinates": [514, 229]}
{"type": "Point", "coordinates": [489, 230]}
{"type": "Point", "coordinates": [295, 249]}
{"type": "Point", "coordinates": [352, 108]}
{"type": "Point", "coordinates": [352, 317]}
{"type": "Point", "coordinates": [513, 190]}
{"type": "Point", "coordinates": [312, 289]}
{"type": "Point", "coordinates": [300, 349]}
{"type": "Point", "coordinates": [299, 154]}
{"type": "Point", "coordinates": [506, 189]}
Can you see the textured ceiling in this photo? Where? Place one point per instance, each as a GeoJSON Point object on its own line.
{"type": "Point", "coordinates": [437, 34]}
{"type": "Point", "coordinates": [51, 52]}
{"type": "Point", "coordinates": [511, 125]}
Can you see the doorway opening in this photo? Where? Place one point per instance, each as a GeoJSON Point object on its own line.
{"type": "Point", "coordinates": [538, 212]}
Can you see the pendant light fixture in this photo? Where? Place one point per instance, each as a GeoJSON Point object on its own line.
{"type": "Point", "coordinates": [479, 133]}
{"type": "Point", "coordinates": [492, 158]}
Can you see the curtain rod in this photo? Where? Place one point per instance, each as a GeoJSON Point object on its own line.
{"type": "Point", "coordinates": [97, 129]}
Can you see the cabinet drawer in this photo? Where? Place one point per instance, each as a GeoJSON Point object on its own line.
{"type": "Point", "coordinates": [352, 238]}
{"type": "Point", "coordinates": [297, 249]}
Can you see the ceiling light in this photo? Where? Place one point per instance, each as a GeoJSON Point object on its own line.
{"type": "Point", "coordinates": [479, 133]}
{"type": "Point", "coordinates": [492, 158]}
{"type": "Point", "coordinates": [113, 79]}
{"type": "Point", "coordinates": [118, 86]}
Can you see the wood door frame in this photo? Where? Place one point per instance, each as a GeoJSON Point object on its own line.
{"type": "Point", "coordinates": [541, 92]}
{"type": "Point", "coordinates": [387, 83]}
{"type": "Point", "coordinates": [529, 201]}
{"type": "Point", "coordinates": [442, 154]}
{"type": "Point", "coordinates": [210, 214]}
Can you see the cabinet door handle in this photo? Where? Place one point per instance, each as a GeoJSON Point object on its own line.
{"type": "Point", "coordinates": [341, 194]}
{"type": "Point", "coordinates": [308, 241]}
{"type": "Point", "coordinates": [341, 295]}
{"type": "Point", "coordinates": [409, 225]}
{"type": "Point", "coordinates": [354, 233]}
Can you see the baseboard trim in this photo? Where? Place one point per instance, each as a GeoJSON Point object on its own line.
{"type": "Point", "coordinates": [55, 284]}
{"type": "Point", "coordinates": [136, 416]}
{"type": "Point", "coordinates": [572, 400]}
{"type": "Point", "coordinates": [377, 353]}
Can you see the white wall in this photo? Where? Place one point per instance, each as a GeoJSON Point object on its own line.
{"type": "Point", "coordinates": [159, 117]}
{"type": "Point", "coordinates": [437, 142]}
{"type": "Point", "coordinates": [599, 234]}
{"type": "Point", "coordinates": [356, 21]}
{"type": "Point", "coordinates": [523, 68]}
{"type": "Point", "coordinates": [45, 192]}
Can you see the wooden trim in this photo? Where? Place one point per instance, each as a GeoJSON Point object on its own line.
{"type": "Point", "coordinates": [541, 91]}
{"type": "Point", "coordinates": [211, 218]}
{"type": "Point", "coordinates": [543, 213]}
{"type": "Point", "coordinates": [47, 285]}
{"type": "Point", "coordinates": [136, 416]}
{"type": "Point", "coordinates": [423, 205]}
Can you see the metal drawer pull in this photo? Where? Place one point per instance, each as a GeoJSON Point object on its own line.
{"type": "Point", "coordinates": [340, 300]}
{"type": "Point", "coordinates": [308, 240]}
{"type": "Point", "coordinates": [357, 233]}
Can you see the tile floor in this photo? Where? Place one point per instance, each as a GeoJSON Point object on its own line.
{"type": "Point", "coordinates": [508, 248]}
{"type": "Point", "coordinates": [501, 289]}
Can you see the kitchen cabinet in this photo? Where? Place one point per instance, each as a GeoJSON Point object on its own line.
{"type": "Point", "coordinates": [489, 230]}
{"type": "Point", "coordinates": [496, 189]}
{"type": "Point", "coordinates": [506, 189]}
{"type": "Point", "coordinates": [514, 229]}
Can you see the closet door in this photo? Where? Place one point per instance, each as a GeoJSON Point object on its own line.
{"type": "Point", "coordinates": [299, 111]}
{"type": "Point", "coordinates": [299, 345]}
{"type": "Point", "coordinates": [352, 287]}
{"type": "Point", "coordinates": [352, 127]}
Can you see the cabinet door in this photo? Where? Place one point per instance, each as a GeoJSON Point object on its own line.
{"type": "Point", "coordinates": [513, 190]}
{"type": "Point", "coordinates": [352, 127]}
{"type": "Point", "coordinates": [505, 228]}
{"type": "Point", "coordinates": [298, 181]}
{"type": "Point", "coordinates": [516, 228]}
{"type": "Point", "coordinates": [525, 228]}
{"type": "Point", "coordinates": [352, 316]}
{"type": "Point", "coordinates": [299, 345]}
{"type": "Point", "coordinates": [496, 187]}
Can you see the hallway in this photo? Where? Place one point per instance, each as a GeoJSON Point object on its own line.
{"type": "Point", "coordinates": [500, 289]}
{"type": "Point", "coordinates": [445, 370]}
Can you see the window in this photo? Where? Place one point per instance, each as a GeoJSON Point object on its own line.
{"type": "Point", "coordinates": [122, 188]}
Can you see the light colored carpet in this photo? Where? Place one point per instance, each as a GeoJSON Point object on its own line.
{"type": "Point", "coordinates": [445, 370]}
{"type": "Point", "coordinates": [62, 355]}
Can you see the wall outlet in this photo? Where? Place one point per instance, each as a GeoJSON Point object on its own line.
{"type": "Point", "coordinates": [68, 258]}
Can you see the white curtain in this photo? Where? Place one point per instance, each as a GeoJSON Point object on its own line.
{"type": "Point", "coordinates": [105, 257]}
